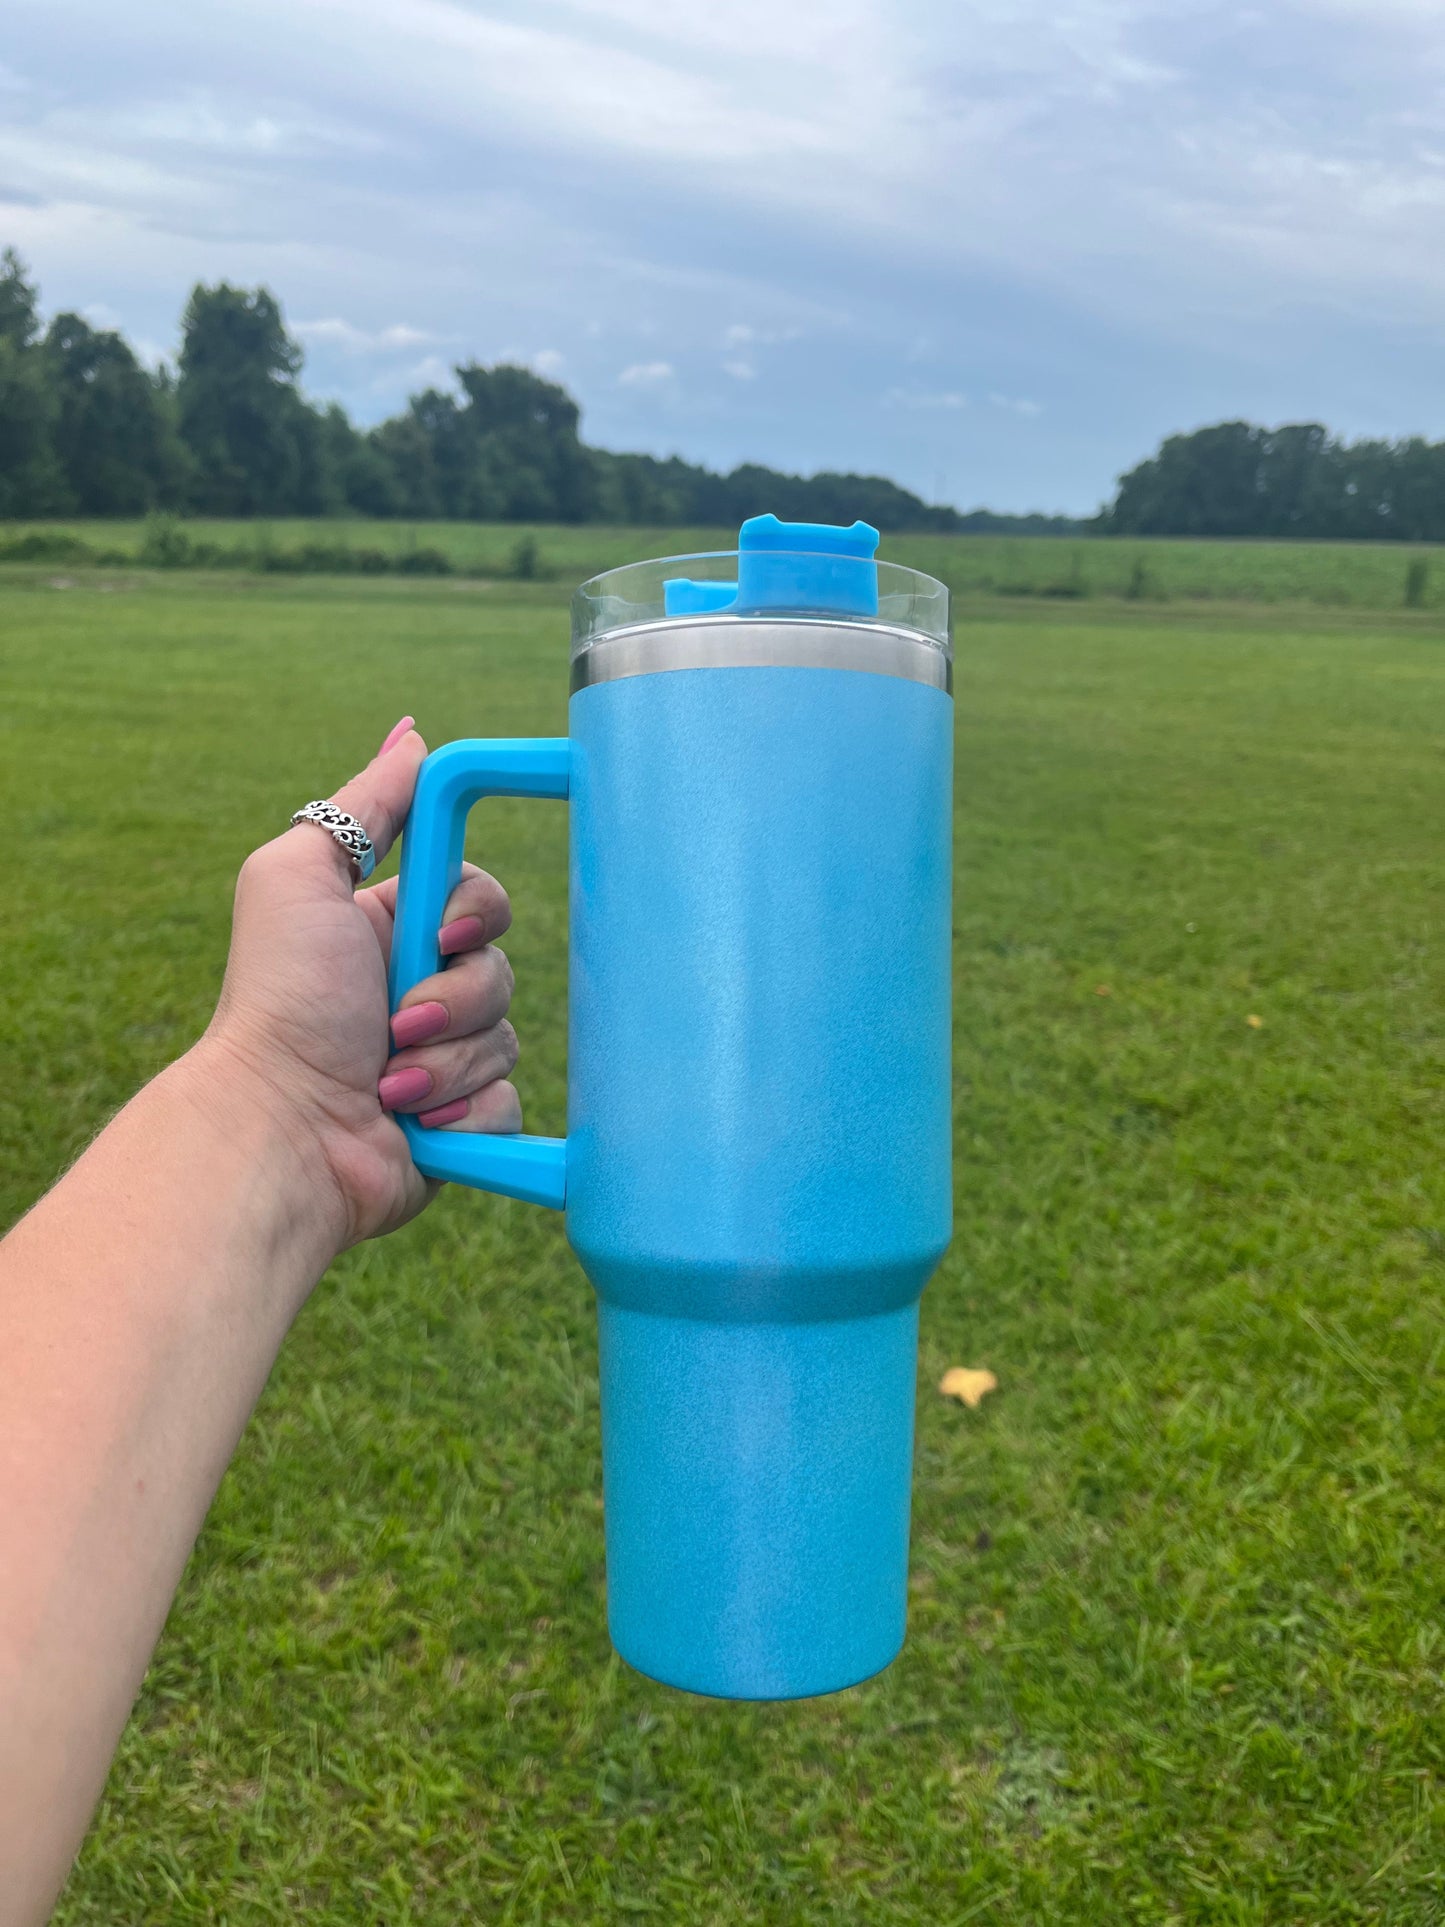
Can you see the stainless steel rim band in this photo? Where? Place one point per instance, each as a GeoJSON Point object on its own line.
{"type": "Point", "coordinates": [743, 644]}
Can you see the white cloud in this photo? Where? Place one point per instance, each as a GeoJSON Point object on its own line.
{"type": "Point", "coordinates": [646, 374]}
{"type": "Point", "coordinates": [333, 331]}
{"type": "Point", "coordinates": [549, 362]}
{"type": "Point", "coordinates": [402, 335]}
{"type": "Point", "coordinates": [195, 123]}
{"type": "Point", "coordinates": [948, 398]}
{"type": "Point", "coordinates": [740, 370]}
{"type": "Point", "coordinates": [1425, 12]}
{"type": "Point", "coordinates": [571, 80]}
{"type": "Point", "coordinates": [200, 119]}
{"type": "Point", "coordinates": [430, 372]}
{"type": "Point", "coordinates": [742, 334]}
{"type": "Point", "coordinates": [1017, 405]}
{"type": "Point", "coordinates": [47, 164]}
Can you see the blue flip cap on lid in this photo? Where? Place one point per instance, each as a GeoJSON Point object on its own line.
{"type": "Point", "coordinates": [803, 568]}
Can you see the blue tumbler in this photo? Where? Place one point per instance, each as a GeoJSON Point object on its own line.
{"type": "Point", "coordinates": [757, 1168]}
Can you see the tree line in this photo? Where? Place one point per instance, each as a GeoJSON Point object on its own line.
{"type": "Point", "coordinates": [87, 430]}
{"type": "Point", "coordinates": [1299, 480]}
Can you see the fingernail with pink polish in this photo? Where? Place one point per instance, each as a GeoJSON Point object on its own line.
{"type": "Point", "coordinates": [395, 736]}
{"type": "Point", "coordinates": [463, 934]}
{"type": "Point", "coordinates": [403, 1087]}
{"type": "Point", "coordinates": [444, 1113]}
{"type": "Point", "coordinates": [418, 1022]}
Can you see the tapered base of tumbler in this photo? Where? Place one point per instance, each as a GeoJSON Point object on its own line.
{"type": "Point", "coordinates": [757, 1482]}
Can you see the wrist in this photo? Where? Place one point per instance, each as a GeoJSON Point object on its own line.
{"type": "Point", "coordinates": [229, 1093]}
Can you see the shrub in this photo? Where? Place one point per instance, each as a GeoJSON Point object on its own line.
{"type": "Point", "coordinates": [316, 558]}
{"type": "Point", "coordinates": [166, 545]}
{"type": "Point", "coordinates": [45, 545]}
{"type": "Point", "coordinates": [1140, 585]}
{"type": "Point", "coordinates": [423, 562]}
{"type": "Point", "coordinates": [1073, 587]}
{"type": "Point", "coordinates": [524, 564]}
{"type": "Point", "coordinates": [1417, 581]}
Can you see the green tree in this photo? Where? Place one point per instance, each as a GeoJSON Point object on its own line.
{"type": "Point", "coordinates": [1298, 480]}
{"type": "Point", "coordinates": [30, 481]}
{"type": "Point", "coordinates": [362, 475]}
{"type": "Point", "coordinates": [522, 432]}
{"type": "Point", "coordinates": [1294, 477]}
{"type": "Point", "coordinates": [19, 302]}
{"type": "Point", "coordinates": [465, 480]}
{"type": "Point", "coordinates": [112, 428]}
{"type": "Point", "coordinates": [406, 448]}
{"type": "Point", "coordinates": [319, 488]}
{"type": "Point", "coordinates": [240, 414]}
{"type": "Point", "coordinates": [1414, 505]}
{"type": "Point", "coordinates": [1207, 483]}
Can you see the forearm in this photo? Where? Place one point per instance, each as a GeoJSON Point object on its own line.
{"type": "Point", "coordinates": [142, 1303]}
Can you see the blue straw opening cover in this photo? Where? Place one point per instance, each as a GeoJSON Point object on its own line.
{"type": "Point", "coordinates": [802, 568]}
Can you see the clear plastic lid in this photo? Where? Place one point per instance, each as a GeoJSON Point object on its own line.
{"type": "Point", "coordinates": [829, 576]}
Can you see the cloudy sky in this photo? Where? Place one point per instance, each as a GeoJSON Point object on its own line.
{"type": "Point", "coordinates": [994, 248]}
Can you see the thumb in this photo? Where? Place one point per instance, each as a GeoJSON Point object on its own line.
{"type": "Point", "coordinates": [381, 795]}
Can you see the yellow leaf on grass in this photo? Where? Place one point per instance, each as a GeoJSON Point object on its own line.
{"type": "Point", "coordinates": [1255, 1023]}
{"type": "Point", "coordinates": [967, 1383]}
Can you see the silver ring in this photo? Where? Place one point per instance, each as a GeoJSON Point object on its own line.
{"type": "Point", "coordinates": [350, 834]}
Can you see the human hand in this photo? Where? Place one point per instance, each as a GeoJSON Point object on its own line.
{"type": "Point", "coordinates": [302, 1018]}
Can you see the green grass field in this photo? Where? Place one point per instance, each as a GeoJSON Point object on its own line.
{"type": "Point", "coordinates": [1176, 1640]}
{"type": "Point", "coordinates": [1327, 574]}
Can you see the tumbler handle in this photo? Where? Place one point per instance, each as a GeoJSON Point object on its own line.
{"type": "Point", "coordinates": [451, 780]}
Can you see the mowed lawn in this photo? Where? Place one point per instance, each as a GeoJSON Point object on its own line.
{"type": "Point", "coordinates": [1176, 1639]}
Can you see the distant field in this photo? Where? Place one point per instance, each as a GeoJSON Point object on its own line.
{"type": "Point", "coordinates": [1175, 1647]}
{"type": "Point", "coordinates": [1326, 574]}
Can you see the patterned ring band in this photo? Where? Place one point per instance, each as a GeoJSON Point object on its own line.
{"type": "Point", "coordinates": [350, 834]}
